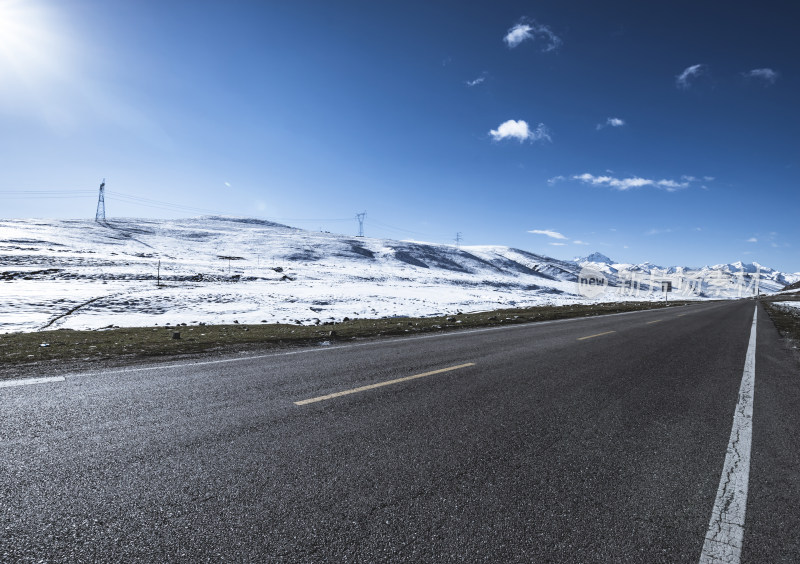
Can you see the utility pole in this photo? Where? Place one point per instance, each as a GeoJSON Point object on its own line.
{"type": "Point", "coordinates": [100, 214]}
{"type": "Point", "coordinates": [360, 217]}
{"type": "Point", "coordinates": [458, 239]}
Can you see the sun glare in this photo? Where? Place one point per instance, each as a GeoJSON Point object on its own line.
{"type": "Point", "coordinates": [28, 44]}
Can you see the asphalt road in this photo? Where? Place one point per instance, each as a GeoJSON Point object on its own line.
{"type": "Point", "coordinates": [591, 440]}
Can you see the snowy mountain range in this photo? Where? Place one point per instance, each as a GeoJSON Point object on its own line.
{"type": "Point", "coordinates": [770, 280]}
{"type": "Point", "coordinates": [142, 272]}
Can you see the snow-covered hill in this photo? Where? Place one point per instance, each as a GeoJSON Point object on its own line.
{"type": "Point", "coordinates": [83, 274]}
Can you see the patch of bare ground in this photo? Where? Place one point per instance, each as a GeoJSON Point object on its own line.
{"type": "Point", "coordinates": [52, 351]}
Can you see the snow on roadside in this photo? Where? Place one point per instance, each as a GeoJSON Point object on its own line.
{"type": "Point", "coordinates": [788, 305]}
{"type": "Point", "coordinates": [308, 302]}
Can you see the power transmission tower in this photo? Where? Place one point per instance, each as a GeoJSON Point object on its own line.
{"type": "Point", "coordinates": [100, 215]}
{"type": "Point", "coordinates": [458, 239]}
{"type": "Point", "coordinates": [360, 217]}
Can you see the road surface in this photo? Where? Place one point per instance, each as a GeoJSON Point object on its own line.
{"type": "Point", "coordinates": [598, 439]}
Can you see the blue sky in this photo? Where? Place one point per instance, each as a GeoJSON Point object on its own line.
{"type": "Point", "coordinates": [647, 131]}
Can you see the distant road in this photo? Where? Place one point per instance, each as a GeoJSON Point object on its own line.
{"type": "Point", "coordinates": [600, 439]}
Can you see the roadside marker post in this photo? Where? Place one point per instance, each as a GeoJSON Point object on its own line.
{"type": "Point", "coordinates": [666, 287]}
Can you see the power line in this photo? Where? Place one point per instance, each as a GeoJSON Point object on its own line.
{"type": "Point", "coordinates": [35, 194]}
{"type": "Point", "coordinates": [385, 226]}
{"type": "Point", "coordinates": [139, 201]}
{"type": "Point", "coordinates": [123, 198]}
{"type": "Point", "coordinates": [339, 219]}
{"type": "Point", "coordinates": [147, 202]}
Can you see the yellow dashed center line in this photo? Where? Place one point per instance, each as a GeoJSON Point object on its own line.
{"type": "Point", "coordinates": [598, 335]}
{"type": "Point", "coordinates": [381, 384]}
{"type": "Point", "coordinates": [656, 321]}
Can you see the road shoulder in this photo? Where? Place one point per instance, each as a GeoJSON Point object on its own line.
{"type": "Point", "coordinates": [772, 524]}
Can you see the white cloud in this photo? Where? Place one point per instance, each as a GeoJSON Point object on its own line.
{"type": "Point", "coordinates": [530, 30]}
{"type": "Point", "coordinates": [658, 231]}
{"type": "Point", "coordinates": [684, 79]}
{"type": "Point", "coordinates": [519, 129]}
{"type": "Point", "coordinates": [672, 185]}
{"type": "Point", "coordinates": [618, 183]}
{"type": "Point", "coordinates": [611, 122]}
{"type": "Point", "coordinates": [559, 244]}
{"type": "Point", "coordinates": [518, 34]}
{"type": "Point", "coordinates": [228, 184]}
{"type": "Point", "coordinates": [549, 233]}
{"type": "Point", "coordinates": [555, 179]}
{"type": "Point", "coordinates": [769, 76]}
{"type": "Point", "coordinates": [477, 81]}
{"type": "Point", "coordinates": [541, 133]}
{"type": "Point", "coordinates": [752, 240]}
{"type": "Point", "coordinates": [580, 243]}
{"type": "Point", "coordinates": [623, 184]}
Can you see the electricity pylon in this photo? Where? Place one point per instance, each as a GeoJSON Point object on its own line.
{"type": "Point", "coordinates": [100, 215]}
{"type": "Point", "coordinates": [360, 217]}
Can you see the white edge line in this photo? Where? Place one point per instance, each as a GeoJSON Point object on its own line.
{"type": "Point", "coordinates": [524, 325]}
{"type": "Point", "coordinates": [29, 381]}
{"type": "Point", "coordinates": [723, 542]}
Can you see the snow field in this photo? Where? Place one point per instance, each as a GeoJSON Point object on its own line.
{"type": "Point", "coordinates": [79, 274]}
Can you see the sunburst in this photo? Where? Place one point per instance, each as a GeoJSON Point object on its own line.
{"type": "Point", "coordinates": [28, 42]}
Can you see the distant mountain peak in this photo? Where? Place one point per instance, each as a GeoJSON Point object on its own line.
{"type": "Point", "coordinates": [741, 266]}
{"type": "Point", "coordinates": [595, 257]}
